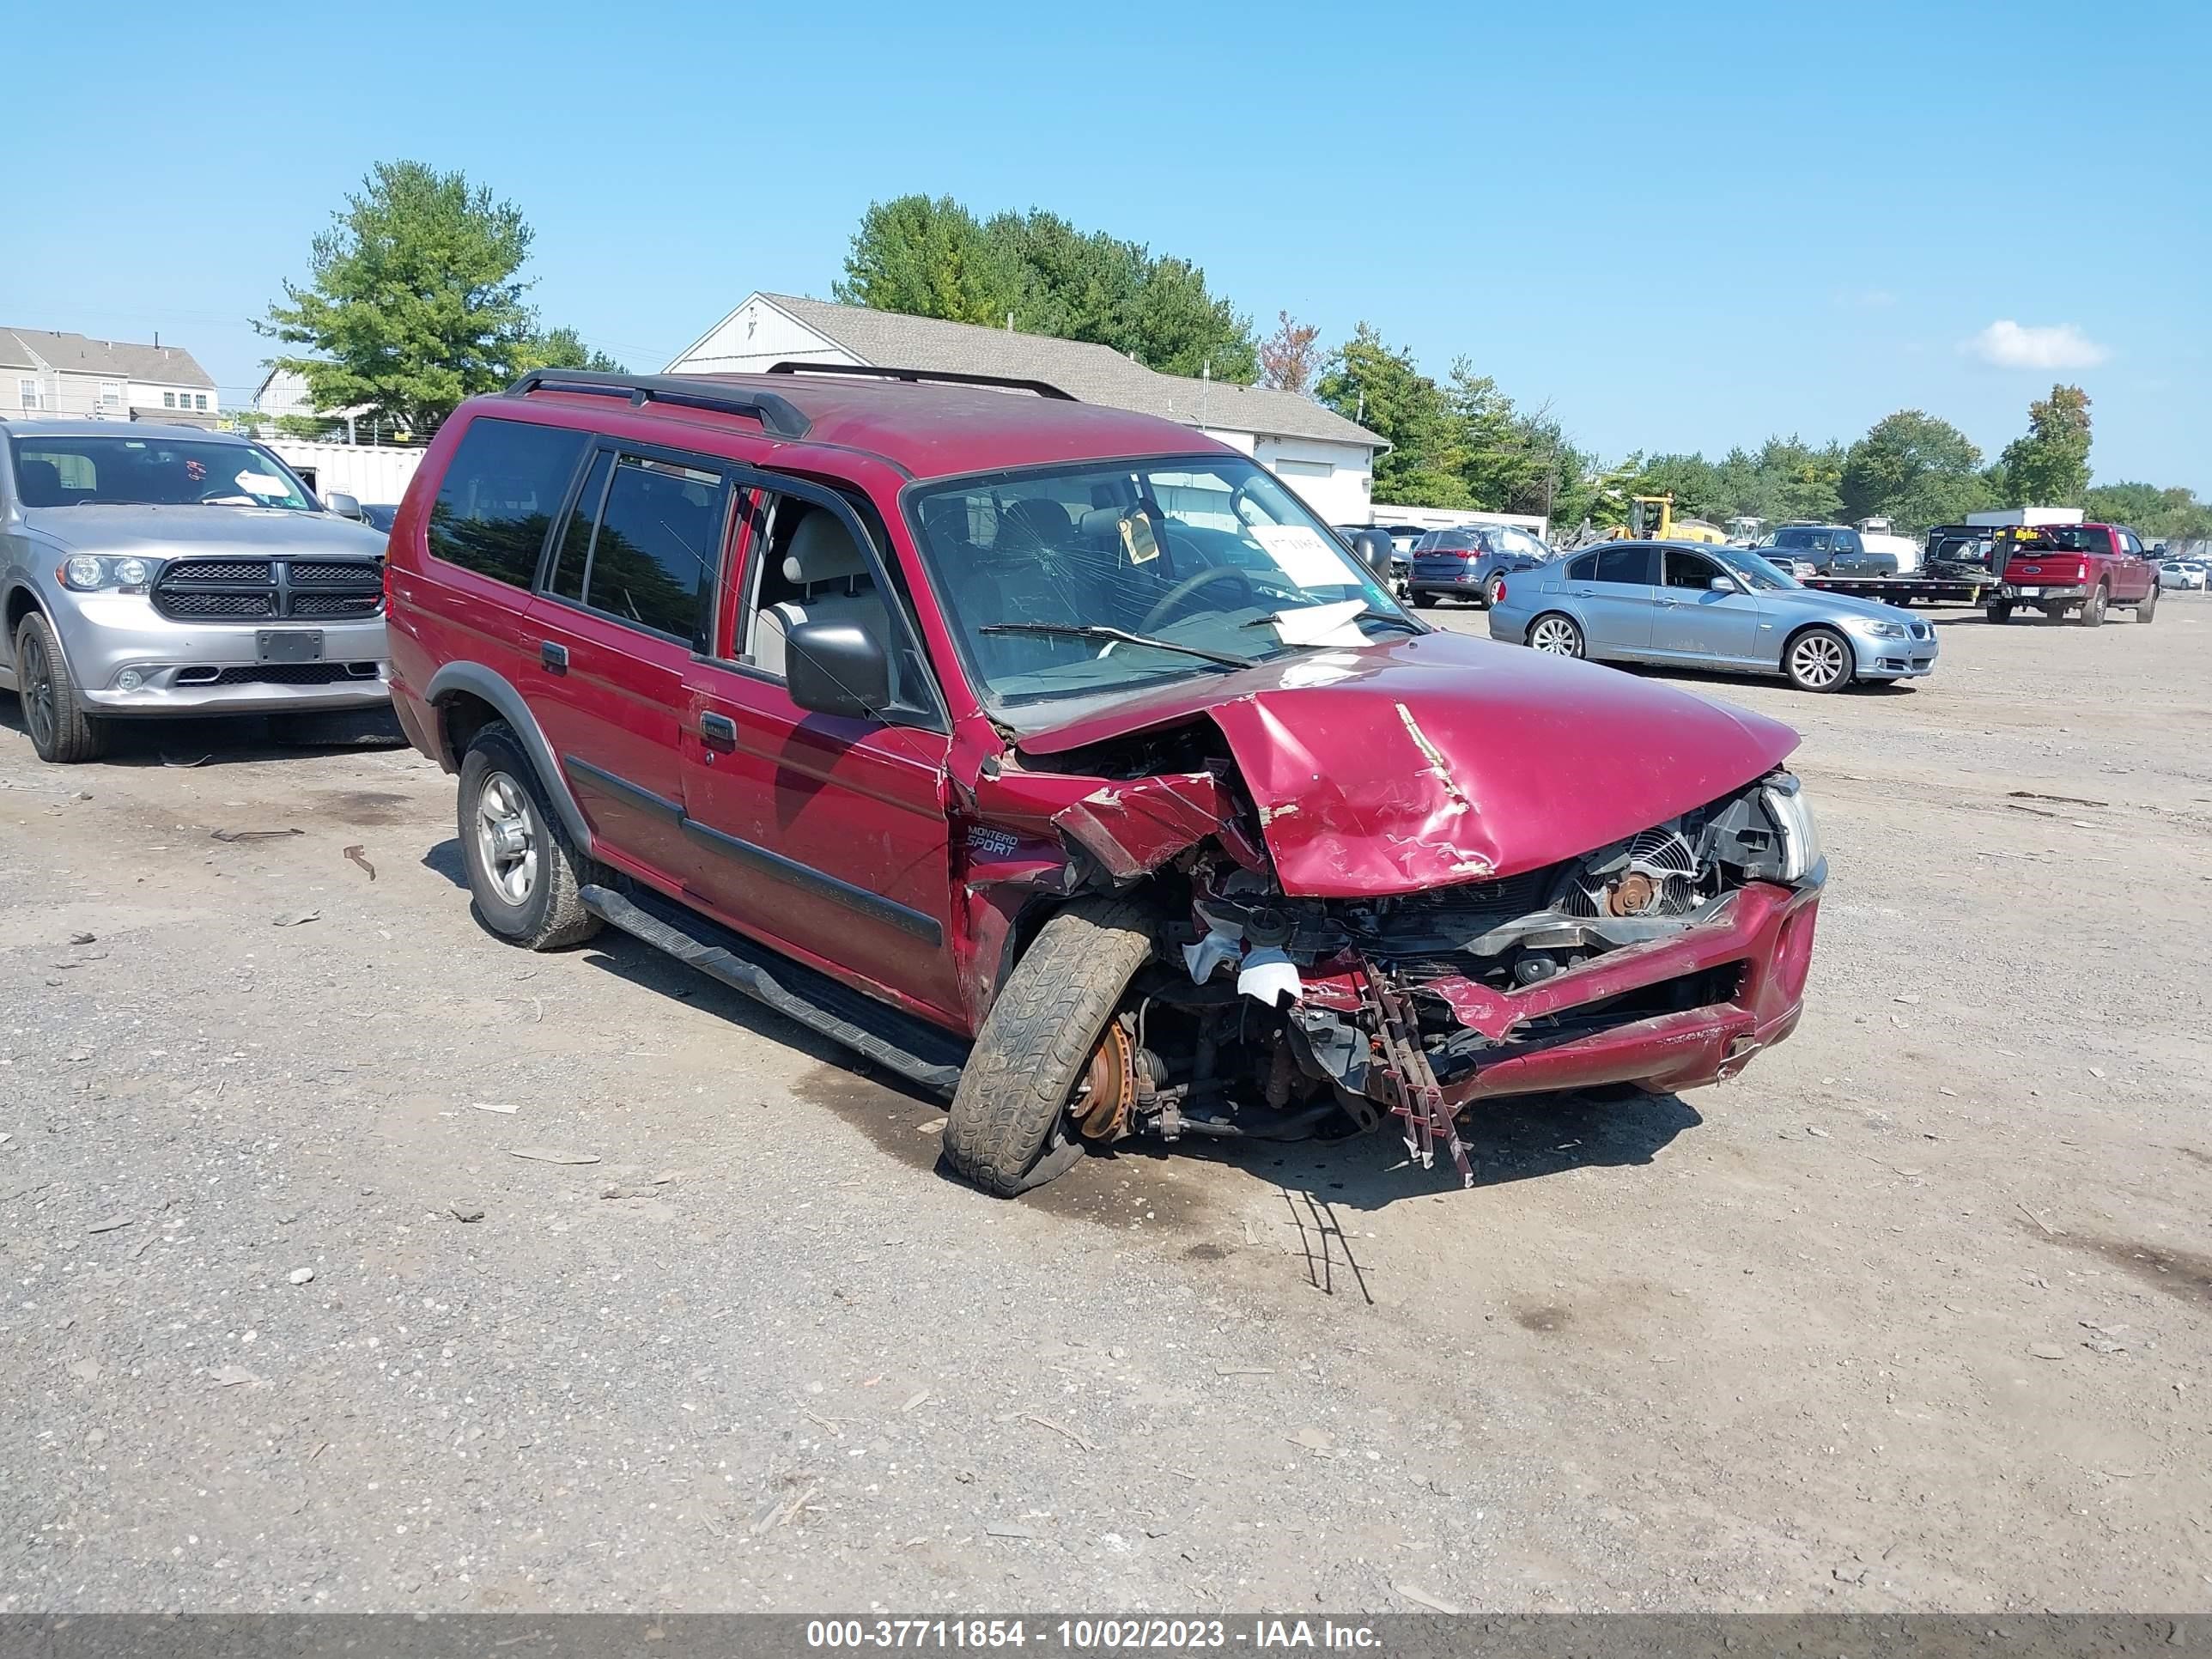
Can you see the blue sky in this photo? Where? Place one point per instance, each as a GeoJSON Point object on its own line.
{"type": "Point", "coordinates": [1680, 229]}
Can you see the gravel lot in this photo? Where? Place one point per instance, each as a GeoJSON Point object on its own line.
{"type": "Point", "coordinates": [1916, 1315]}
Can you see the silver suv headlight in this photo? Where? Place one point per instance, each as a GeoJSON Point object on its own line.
{"type": "Point", "coordinates": [86, 574]}
{"type": "Point", "coordinates": [1801, 853]}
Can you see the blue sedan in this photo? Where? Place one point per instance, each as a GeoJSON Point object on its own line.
{"type": "Point", "coordinates": [1708, 607]}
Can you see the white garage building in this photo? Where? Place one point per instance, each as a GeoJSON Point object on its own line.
{"type": "Point", "coordinates": [1326, 459]}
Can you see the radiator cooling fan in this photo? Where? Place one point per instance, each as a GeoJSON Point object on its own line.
{"type": "Point", "coordinates": [1656, 874]}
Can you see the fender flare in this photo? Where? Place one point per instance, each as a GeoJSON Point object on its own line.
{"type": "Point", "coordinates": [478, 681]}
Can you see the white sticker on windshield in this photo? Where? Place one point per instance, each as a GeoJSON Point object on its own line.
{"type": "Point", "coordinates": [262, 484]}
{"type": "Point", "coordinates": [1320, 624]}
{"type": "Point", "coordinates": [1303, 555]}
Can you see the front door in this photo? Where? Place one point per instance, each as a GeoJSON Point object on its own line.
{"type": "Point", "coordinates": [1694, 621]}
{"type": "Point", "coordinates": [824, 836]}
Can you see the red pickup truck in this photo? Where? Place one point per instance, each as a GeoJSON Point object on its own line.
{"type": "Point", "coordinates": [2086, 568]}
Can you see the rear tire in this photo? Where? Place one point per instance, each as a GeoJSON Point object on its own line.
{"type": "Point", "coordinates": [1819, 660]}
{"type": "Point", "coordinates": [1425, 601]}
{"type": "Point", "coordinates": [1557, 635]}
{"type": "Point", "coordinates": [1009, 1129]}
{"type": "Point", "coordinates": [1998, 611]}
{"type": "Point", "coordinates": [2092, 608]}
{"type": "Point", "coordinates": [524, 871]}
{"type": "Point", "coordinates": [61, 732]}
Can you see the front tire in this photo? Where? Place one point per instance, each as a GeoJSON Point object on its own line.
{"type": "Point", "coordinates": [2092, 608]}
{"type": "Point", "coordinates": [524, 871]}
{"type": "Point", "coordinates": [1493, 591]}
{"type": "Point", "coordinates": [61, 731]}
{"type": "Point", "coordinates": [1819, 660]}
{"type": "Point", "coordinates": [1556, 636]}
{"type": "Point", "coordinates": [2147, 608]}
{"type": "Point", "coordinates": [1009, 1130]}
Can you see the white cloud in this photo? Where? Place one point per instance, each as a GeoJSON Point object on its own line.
{"type": "Point", "coordinates": [2007, 344]}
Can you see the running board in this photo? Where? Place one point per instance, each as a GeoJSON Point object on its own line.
{"type": "Point", "coordinates": [919, 1053]}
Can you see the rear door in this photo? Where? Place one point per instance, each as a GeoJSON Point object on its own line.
{"type": "Point", "coordinates": [826, 837]}
{"type": "Point", "coordinates": [623, 609]}
{"type": "Point", "coordinates": [1616, 601]}
{"type": "Point", "coordinates": [1694, 621]}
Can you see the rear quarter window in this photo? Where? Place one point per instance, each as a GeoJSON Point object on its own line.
{"type": "Point", "coordinates": [499, 495]}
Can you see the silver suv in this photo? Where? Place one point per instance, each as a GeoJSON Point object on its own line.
{"type": "Point", "coordinates": [151, 570]}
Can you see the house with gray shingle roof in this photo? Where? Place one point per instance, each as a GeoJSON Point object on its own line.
{"type": "Point", "coordinates": [72, 376]}
{"type": "Point", "coordinates": [1326, 459]}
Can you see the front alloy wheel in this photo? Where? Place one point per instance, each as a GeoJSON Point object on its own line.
{"type": "Point", "coordinates": [1556, 637]}
{"type": "Point", "coordinates": [60, 732]}
{"type": "Point", "coordinates": [1494, 593]}
{"type": "Point", "coordinates": [1819, 659]}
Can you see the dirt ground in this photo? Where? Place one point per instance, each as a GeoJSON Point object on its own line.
{"type": "Point", "coordinates": [1917, 1314]}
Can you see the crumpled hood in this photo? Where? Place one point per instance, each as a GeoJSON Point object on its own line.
{"type": "Point", "coordinates": [1423, 761]}
{"type": "Point", "coordinates": [149, 532]}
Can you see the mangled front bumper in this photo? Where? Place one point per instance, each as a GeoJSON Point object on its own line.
{"type": "Point", "coordinates": [1764, 932]}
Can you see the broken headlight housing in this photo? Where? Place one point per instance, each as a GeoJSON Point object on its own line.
{"type": "Point", "coordinates": [1802, 858]}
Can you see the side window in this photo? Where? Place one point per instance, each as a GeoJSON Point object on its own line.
{"type": "Point", "coordinates": [656, 546]}
{"type": "Point", "coordinates": [807, 567]}
{"type": "Point", "coordinates": [1630, 564]}
{"type": "Point", "coordinates": [1689, 570]}
{"type": "Point", "coordinates": [499, 496]}
{"type": "Point", "coordinates": [1583, 569]}
{"type": "Point", "coordinates": [574, 555]}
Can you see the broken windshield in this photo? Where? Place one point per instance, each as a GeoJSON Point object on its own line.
{"type": "Point", "coordinates": [1095, 580]}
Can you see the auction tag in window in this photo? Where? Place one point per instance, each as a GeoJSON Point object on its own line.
{"type": "Point", "coordinates": [1137, 538]}
{"type": "Point", "coordinates": [1303, 555]}
{"type": "Point", "coordinates": [267, 485]}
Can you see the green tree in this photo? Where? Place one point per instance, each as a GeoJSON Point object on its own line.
{"type": "Point", "coordinates": [412, 302]}
{"type": "Point", "coordinates": [2049, 465]}
{"type": "Point", "coordinates": [934, 259]}
{"type": "Point", "coordinates": [1379, 386]}
{"type": "Point", "coordinates": [563, 348]}
{"type": "Point", "coordinates": [2160, 515]}
{"type": "Point", "coordinates": [930, 258]}
{"type": "Point", "coordinates": [1914, 469]}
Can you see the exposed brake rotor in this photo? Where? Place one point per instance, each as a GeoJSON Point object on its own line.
{"type": "Point", "coordinates": [1108, 1088]}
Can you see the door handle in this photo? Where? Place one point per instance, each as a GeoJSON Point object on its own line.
{"type": "Point", "coordinates": [717, 728]}
{"type": "Point", "coordinates": [555, 657]}
{"type": "Point", "coordinates": [1668, 605]}
{"type": "Point", "coordinates": [1585, 593]}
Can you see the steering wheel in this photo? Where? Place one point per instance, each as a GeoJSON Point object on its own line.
{"type": "Point", "coordinates": [1190, 584]}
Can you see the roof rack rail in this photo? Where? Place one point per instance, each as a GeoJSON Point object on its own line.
{"type": "Point", "coordinates": [777, 415]}
{"type": "Point", "coordinates": [931, 376]}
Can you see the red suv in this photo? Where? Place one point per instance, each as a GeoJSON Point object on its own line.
{"type": "Point", "coordinates": [1061, 760]}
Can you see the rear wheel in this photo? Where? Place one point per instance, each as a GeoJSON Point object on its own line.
{"type": "Point", "coordinates": [1009, 1129]}
{"type": "Point", "coordinates": [61, 732]}
{"type": "Point", "coordinates": [1557, 636]}
{"type": "Point", "coordinates": [1425, 601]}
{"type": "Point", "coordinates": [2092, 608]}
{"type": "Point", "coordinates": [1998, 611]}
{"type": "Point", "coordinates": [1818, 659]}
{"type": "Point", "coordinates": [2147, 607]}
{"type": "Point", "coordinates": [524, 871]}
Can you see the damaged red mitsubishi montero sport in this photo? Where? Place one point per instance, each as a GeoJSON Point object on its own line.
{"type": "Point", "coordinates": [1061, 760]}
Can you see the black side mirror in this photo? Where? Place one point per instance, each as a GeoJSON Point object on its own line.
{"type": "Point", "coordinates": [835, 668]}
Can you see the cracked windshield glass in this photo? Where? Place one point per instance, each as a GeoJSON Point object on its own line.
{"type": "Point", "coordinates": [1091, 582]}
